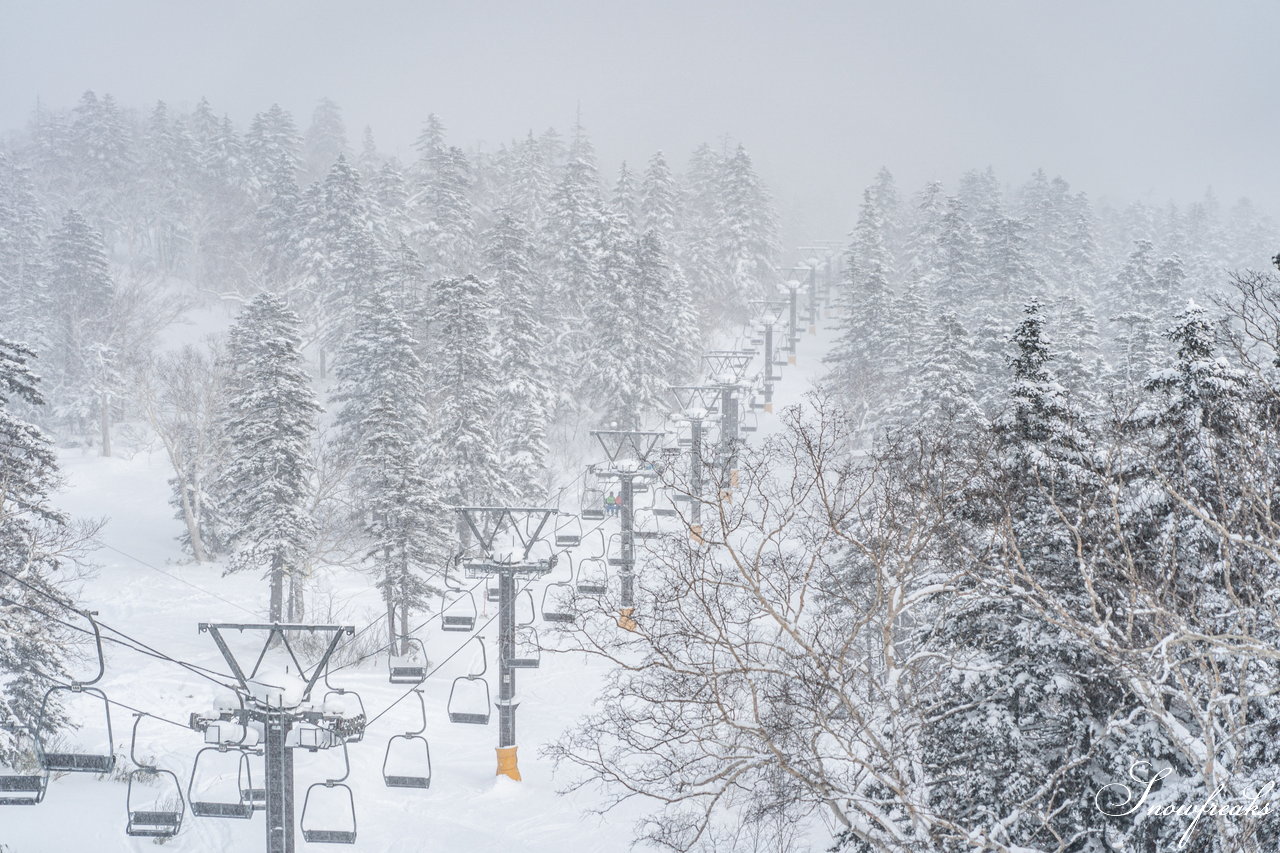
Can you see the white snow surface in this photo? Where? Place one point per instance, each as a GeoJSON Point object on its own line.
{"type": "Point", "coordinates": [146, 587]}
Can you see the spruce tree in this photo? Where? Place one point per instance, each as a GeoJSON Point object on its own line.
{"type": "Point", "coordinates": [660, 199]}
{"type": "Point", "coordinates": [524, 399]}
{"type": "Point", "coordinates": [81, 294]}
{"type": "Point", "coordinates": [268, 426]}
{"type": "Point", "coordinates": [382, 431]}
{"type": "Point", "coordinates": [464, 454]}
{"type": "Point", "coordinates": [35, 542]}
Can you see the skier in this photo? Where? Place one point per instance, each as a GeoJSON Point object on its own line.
{"type": "Point", "coordinates": [610, 505]}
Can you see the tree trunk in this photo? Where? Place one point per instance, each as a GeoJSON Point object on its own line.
{"type": "Point", "coordinates": [193, 526]}
{"type": "Point", "coordinates": [104, 422]}
{"type": "Point", "coordinates": [391, 620]}
{"type": "Point", "coordinates": [277, 588]}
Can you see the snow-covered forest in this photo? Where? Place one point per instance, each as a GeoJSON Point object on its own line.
{"type": "Point", "coordinates": [952, 528]}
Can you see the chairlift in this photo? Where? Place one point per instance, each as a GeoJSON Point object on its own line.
{"type": "Point", "coordinates": [22, 788]}
{"type": "Point", "coordinates": [527, 653]}
{"type": "Point", "coordinates": [492, 592]}
{"type": "Point", "coordinates": [159, 815]}
{"type": "Point", "coordinates": [408, 668]}
{"type": "Point", "coordinates": [612, 559]}
{"type": "Point", "coordinates": [352, 724]}
{"type": "Point", "coordinates": [80, 762]}
{"type": "Point", "coordinates": [660, 505]}
{"type": "Point", "coordinates": [750, 422]}
{"type": "Point", "coordinates": [254, 795]}
{"type": "Point", "coordinates": [525, 595]}
{"type": "Point", "coordinates": [338, 798]}
{"type": "Point", "coordinates": [592, 506]}
{"type": "Point", "coordinates": [568, 531]}
{"type": "Point", "coordinates": [593, 577]}
{"type": "Point", "coordinates": [463, 617]}
{"type": "Point", "coordinates": [557, 602]}
{"type": "Point", "coordinates": [242, 807]}
{"type": "Point", "coordinates": [409, 748]}
{"type": "Point", "coordinates": [461, 707]}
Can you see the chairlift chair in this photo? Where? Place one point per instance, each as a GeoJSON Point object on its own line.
{"type": "Point", "coordinates": [557, 602]}
{"type": "Point", "coordinates": [527, 653]}
{"type": "Point", "coordinates": [750, 422]}
{"type": "Point", "coordinates": [615, 560]}
{"type": "Point", "coordinates": [492, 593]}
{"type": "Point", "coordinates": [353, 733]}
{"type": "Point", "coordinates": [593, 577]}
{"type": "Point", "coordinates": [465, 618]}
{"type": "Point", "coordinates": [162, 819]}
{"type": "Point", "coordinates": [399, 668]}
{"type": "Point", "coordinates": [344, 799]}
{"type": "Point", "coordinates": [407, 745]}
{"type": "Point", "coordinates": [568, 531]}
{"type": "Point", "coordinates": [660, 505]}
{"type": "Point", "coordinates": [239, 809]}
{"type": "Point", "coordinates": [24, 789]}
{"type": "Point", "coordinates": [81, 762]}
{"type": "Point", "coordinates": [476, 682]}
{"type": "Point", "coordinates": [592, 504]}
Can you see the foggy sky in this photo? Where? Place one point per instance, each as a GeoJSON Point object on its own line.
{"type": "Point", "coordinates": [1151, 100]}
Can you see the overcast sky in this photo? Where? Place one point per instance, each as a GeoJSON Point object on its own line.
{"type": "Point", "coordinates": [1151, 100]}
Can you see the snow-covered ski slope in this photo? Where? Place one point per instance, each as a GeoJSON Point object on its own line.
{"type": "Point", "coordinates": [144, 587]}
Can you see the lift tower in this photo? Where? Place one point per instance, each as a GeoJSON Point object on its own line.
{"type": "Point", "coordinates": [769, 313]}
{"type": "Point", "coordinates": [508, 558]}
{"type": "Point", "coordinates": [265, 705]}
{"type": "Point", "coordinates": [697, 403]}
{"type": "Point", "coordinates": [724, 370]}
{"type": "Point", "coordinates": [632, 455]}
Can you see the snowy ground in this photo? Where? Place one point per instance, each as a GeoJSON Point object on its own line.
{"type": "Point", "coordinates": [143, 588]}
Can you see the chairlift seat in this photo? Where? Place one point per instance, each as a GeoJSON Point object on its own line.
{"type": "Point", "coordinates": [32, 785]}
{"type": "Point", "coordinates": [78, 762]}
{"type": "Point", "coordinates": [329, 836]}
{"type": "Point", "coordinates": [422, 782]}
{"type": "Point", "coordinates": [593, 513]}
{"type": "Point", "coordinates": [493, 594]}
{"type": "Point", "coordinates": [615, 561]}
{"type": "Point", "coordinates": [255, 797]}
{"type": "Point", "coordinates": [646, 534]}
{"type": "Point", "coordinates": [239, 811]}
{"type": "Point", "coordinates": [458, 623]}
{"type": "Point", "coordinates": [589, 588]}
{"type": "Point", "coordinates": [469, 717]}
{"type": "Point", "coordinates": [665, 512]}
{"type": "Point", "coordinates": [567, 540]}
{"type": "Point", "coordinates": [524, 663]}
{"type": "Point", "coordinates": [147, 824]}
{"type": "Point", "coordinates": [407, 674]}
